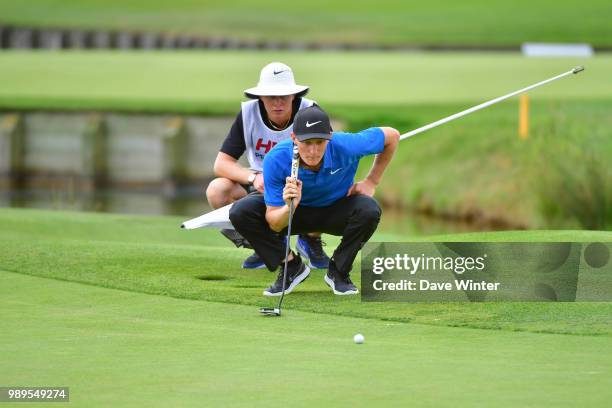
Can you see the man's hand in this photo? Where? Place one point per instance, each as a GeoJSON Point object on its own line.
{"type": "Point", "coordinates": [365, 187]}
{"type": "Point", "coordinates": [258, 183]}
{"type": "Point", "coordinates": [292, 191]}
{"type": "Point", "coordinates": [368, 185]}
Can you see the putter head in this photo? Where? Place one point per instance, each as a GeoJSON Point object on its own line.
{"type": "Point", "coordinates": [270, 311]}
{"type": "Point", "coordinates": [578, 69]}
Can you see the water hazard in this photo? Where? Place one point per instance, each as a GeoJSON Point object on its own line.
{"type": "Point", "coordinates": [190, 202]}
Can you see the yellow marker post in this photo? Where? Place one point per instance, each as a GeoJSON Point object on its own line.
{"type": "Point", "coordinates": [524, 116]}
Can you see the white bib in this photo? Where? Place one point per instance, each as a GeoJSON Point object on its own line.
{"type": "Point", "coordinates": [258, 138]}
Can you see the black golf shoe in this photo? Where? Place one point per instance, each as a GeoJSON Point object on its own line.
{"type": "Point", "coordinates": [297, 272]}
{"type": "Point", "coordinates": [341, 285]}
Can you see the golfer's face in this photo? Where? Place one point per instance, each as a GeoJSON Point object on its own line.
{"type": "Point", "coordinates": [278, 108]}
{"type": "Point", "coordinates": [312, 150]}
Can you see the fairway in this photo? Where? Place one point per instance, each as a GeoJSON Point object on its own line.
{"type": "Point", "coordinates": [115, 348]}
{"type": "Point", "coordinates": [212, 82]}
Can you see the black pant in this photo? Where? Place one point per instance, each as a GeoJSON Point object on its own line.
{"type": "Point", "coordinates": [355, 218]}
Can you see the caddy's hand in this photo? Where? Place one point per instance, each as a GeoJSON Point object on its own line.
{"type": "Point", "coordinates": [364, 187]}
{"type": "Point", "coordinates": [258, 183]}
{"type": "Point", "coordinates": [292, 191]}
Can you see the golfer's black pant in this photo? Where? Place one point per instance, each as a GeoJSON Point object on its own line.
{"type": "Point", "coordinates": [355, 218]}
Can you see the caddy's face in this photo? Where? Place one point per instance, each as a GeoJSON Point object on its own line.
{"type": "Point", "coordinates": [312, 151]}
{"type": "Point", "coordinates": [278, 108]}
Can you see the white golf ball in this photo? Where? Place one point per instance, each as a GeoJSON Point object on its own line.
{"type": "Point", "coordinates": [358, 338]}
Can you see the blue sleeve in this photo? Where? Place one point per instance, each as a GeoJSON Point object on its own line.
{"type": "Point", "coordinates": [364, 143]}
{"type": "Point", "coordinates": [274, 183]}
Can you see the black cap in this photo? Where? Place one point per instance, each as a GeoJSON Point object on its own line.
{"type": "Point", "coordinates": [312, 123]}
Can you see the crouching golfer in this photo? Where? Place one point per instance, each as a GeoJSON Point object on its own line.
{"type": "Point", "coordinates": [324, 197]}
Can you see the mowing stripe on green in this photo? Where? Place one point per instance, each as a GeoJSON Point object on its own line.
{"type": "Point", "coordinates": [115, 348]}
{"type": "Point", "coordinates": [152, 255]}
{"type": "Point", "coordinates": [213, 81]}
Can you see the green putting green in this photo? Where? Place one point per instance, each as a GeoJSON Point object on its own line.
{"type": "Point", "coordinates": [132, 311]}
{"type": "Point", "coordinates": [152, 255]}
{"type": "Point", "coordinates": [123, 349]}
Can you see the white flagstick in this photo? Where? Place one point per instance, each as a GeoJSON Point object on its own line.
{"type": "Point", "coordinates": [485, 104]}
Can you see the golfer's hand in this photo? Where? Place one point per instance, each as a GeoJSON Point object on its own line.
{"type": "Point", "coordinates": [364, 187]}
{"type": "Point", "coordinates": [292, 191]}
{"type": "Point", "coordinates": [258, 183]}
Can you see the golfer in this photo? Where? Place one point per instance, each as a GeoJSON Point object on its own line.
{"type": "Point", "coordinates": [262, 122]}
{"type": "Point", "coordinates": [325, 197]}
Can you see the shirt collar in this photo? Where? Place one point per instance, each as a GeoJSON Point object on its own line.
{"type": "Point", "coordinates": [328, 160]}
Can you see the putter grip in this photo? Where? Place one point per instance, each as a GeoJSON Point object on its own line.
{"type": "Point", "coordinates": [295, 162]}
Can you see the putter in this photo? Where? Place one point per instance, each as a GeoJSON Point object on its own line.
{"type": "Point", "coordinates": [483, 105]}
{"type": "Point", "coordinates": [268, 311]}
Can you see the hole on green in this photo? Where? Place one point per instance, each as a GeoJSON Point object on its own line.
{"type": "Point", "coordinates": [212, 277]}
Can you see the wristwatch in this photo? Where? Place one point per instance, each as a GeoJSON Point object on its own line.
{"type": "Point", "coordinates": [252, 178]}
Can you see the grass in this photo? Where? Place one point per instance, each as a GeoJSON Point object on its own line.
{"type": "Point", "coordinates": [383, 22]}
{"type": "Point", "coordinates": [112, 307]}
{"type": "Point", "coordinates": [478, 169]}
{"type": "Point", "coordinates": [475, 168]}
{"type": "Point", "coordinates": [212, 82]}
{"type": "Point", "coordinates": [582, 192]}
{"type": "Point", "coordinates": [124, 349]}
{"type": "Point", "coordinates": [152, 255]}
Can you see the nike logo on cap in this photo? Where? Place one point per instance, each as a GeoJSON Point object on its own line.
{"type": "Point", "coordinates": [308, 124]}
{"type": "Point", "coordinates": [278, 72]}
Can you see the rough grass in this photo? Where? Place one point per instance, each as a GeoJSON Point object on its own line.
{"type": "Point", "coordinates": [152, 255]}
{"type": "Point", "coordinates": [478, 169]}
{"type": "Point", "coordinates": [476, 22]}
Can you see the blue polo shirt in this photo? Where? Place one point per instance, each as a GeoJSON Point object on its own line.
{"type": "Point", "coordinates": [335, 176]}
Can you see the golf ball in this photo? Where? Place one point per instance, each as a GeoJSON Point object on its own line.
{"type": "Point", "coordinates": [358, 338]}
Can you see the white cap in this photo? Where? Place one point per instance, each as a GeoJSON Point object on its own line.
{"type": "Point", "coordinates": [276, 79]}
